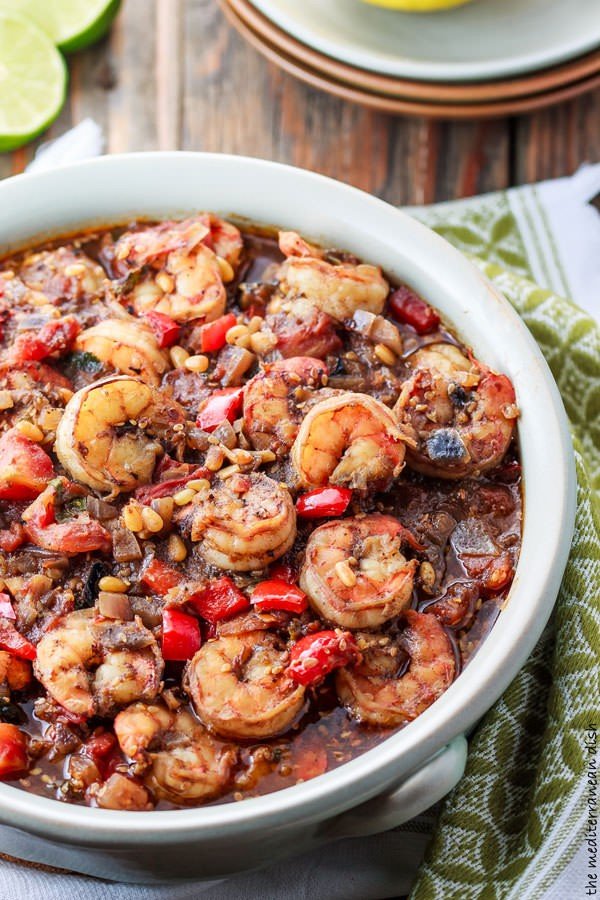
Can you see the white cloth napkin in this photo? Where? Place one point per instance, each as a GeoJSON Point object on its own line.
{"type": "Point", "coordinates": [562, 233]}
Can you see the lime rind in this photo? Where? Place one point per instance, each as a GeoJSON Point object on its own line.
{"type": "Point", "coordinates": [33, 81]}
{"type": "Point", "coordinates": [70, 24]}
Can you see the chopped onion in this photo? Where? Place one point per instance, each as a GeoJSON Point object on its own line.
{"type": "Point", "coordinates": [378, 329]}
{"type": "Point", "coordinates": [237, 364]}
{"type": "Point", "coordinates": [114, 606]}
{"type": "Point", "coordinates": [125, 545]}
{"type": "Point", "coordinates": [100, 510]}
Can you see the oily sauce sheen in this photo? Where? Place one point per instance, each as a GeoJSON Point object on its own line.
{"type": "Point", "coordinates": [355, 386]}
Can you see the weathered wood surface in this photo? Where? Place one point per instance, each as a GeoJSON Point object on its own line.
{"type": "Point", "coordinates": [174, 74]}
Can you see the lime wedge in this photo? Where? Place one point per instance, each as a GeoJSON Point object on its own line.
{"type": "Point", "coordinates": [71, 24]}
{"type": "Point", "coordinates": [33, 81]}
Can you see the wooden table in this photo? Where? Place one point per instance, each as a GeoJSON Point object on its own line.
{"type": "Point", "coordinates": [174, 74]}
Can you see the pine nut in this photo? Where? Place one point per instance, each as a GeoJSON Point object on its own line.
{"type": "Point", "coordinates": [214, 459]}
{"type": "Point", "coordinates": [164, 507]}
{"type": "Point", "coordinates": [427, 574]}
{"type": "Point", "coordinates": [178, 356]}
{"type": "Point", "coordinates": [242, 457]}
{"type": "Point", "coordinates": [238, 335]}
{"type": "Point", "coordinates": [226, 270]}
{"type": "Point", "coordinates": [165, 282]}
{"type": "Point", "coordinates": [228, 471]}
{"type": "Point", "coordinates": [262, 343]}
{"type": "Point", "coordinates": [113, 584]}
{"type": "Point", "coordinates": [132, 517]}
{"type": "Point", "coordinates": [75, 270]}
{"type": "Point", "coordinates": [50, 418]}
{"type": "Point", "coordinates": [255, 324]}
{"type": "Point", "coordinates": [199, 484]}
{"type": "Point", "coordinates": [151, 519]}
{"type": "Point", "coordinates": [198, 363]}
{"type": "Point", "coordinates": [31, 431]}
{"type": "Point", "coordinates": [6, 400]}
{"type": "Point", "coordinates": [345, 573]}
{"type": "Point", "coordinates": [183, 497]}
{"type": "Point", "coordinates": [385, 355]}
{"type": "Point", "coordinates": [267, 456]}
{"type": "Point", "coordinates": [176, 548]}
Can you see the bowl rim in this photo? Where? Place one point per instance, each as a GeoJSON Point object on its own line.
{"type": "Point", "coordinates": [516, 631]}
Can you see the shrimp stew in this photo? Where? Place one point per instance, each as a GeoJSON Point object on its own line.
{"type": "Point", "coordinates": [258, 508]}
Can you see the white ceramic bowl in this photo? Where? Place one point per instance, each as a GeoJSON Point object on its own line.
{"type": "Point", "coordinates": [413, 768]}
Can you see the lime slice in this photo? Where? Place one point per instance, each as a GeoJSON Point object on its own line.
{"type": "Point", "coordinates": [33, 81]}
{"type": "Point", "coordinates": [71, 24]}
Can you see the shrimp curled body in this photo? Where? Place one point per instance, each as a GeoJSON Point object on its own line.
{"type": "Point", "coordinates": [349, 439]}
{"type": "Point", "coordinates": [128, 346]}
{"type": "Point", "coordinates": [377, 691]}
{"type": "Point", "coordinates": [242, 523]}
{"type": "Point", "coordinates": [463, 414]}
{"type": "Point", "coordinates": [375, 587]}
{"type": "Point", "coordinates": [94, 666]}
{"type": "Point", "coordinates": [108, 435]}
{"type": "Point", "coordinates": [274, 401]}
{"type": "Point", "coordinates": [239, 686]}
{"type": "Point", "coordinates": [180, 760]}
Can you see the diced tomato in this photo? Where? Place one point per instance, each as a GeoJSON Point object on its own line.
{"type": "Point", "coordinates": [212, 335]}
{"type": "Point", "coordinates": [12, 538]}
{"type": "Point", "coordinates": [276, 594]}
{"type": "Point", "coordinates": [166, 329]}
{"type": "Point", "coordinates": [6, 607]}
{"type": "Point", "coordinates": [181, 636]}
{"type": "Point", "coordinates": [325, 501]}
{"type": "Point", "coordinates": [408, 308]}
{"type": "Point", "coordinates": [160, 577]}
{"type": "Point", "coordinates": [220, 599]}
{"type": "Point", "coordinates": [313, 657]}
{"type": "Point", "coordinates": [54, 337]}
{"type": "Point", "coordinates": [224, 404]}
{"type": "Point", "coordinates": [14, 642]}
{"type": "Point", "coordinates": [81, 534]}
{"type": "Point", "coordinates": [492, 572]}
{"type": "Point", "coordinates": [284, 572]}
{"type": "Point", "coordinates": [102, 749]}
{"type": "Point", "coordinates": [149, 492]}
{"type": "Point", "coordinates": [25, 469]}
{"type": "Point", "coordinates": [14, 760]}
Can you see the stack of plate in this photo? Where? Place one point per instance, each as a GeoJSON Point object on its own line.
{"type": "Point", "coordinates": [488, 58]}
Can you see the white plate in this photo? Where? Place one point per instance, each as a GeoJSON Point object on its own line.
{"type": "Point", "coordinates": [483, 40]}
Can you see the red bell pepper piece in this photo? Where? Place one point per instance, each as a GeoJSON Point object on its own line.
{"type": "Point", "coordinates": [408, 308]}
{"type": "Point", "coordinates": [54, 337]}
{"type": "Point", "coordinates": [212, 335]}
{"type": "Point", "coordinates": [15, 643]}
{"type": "Point", "coordinates": [181, 636]}
{"type": "Point", "coordinates": [283, 572]}
{"type": "Point", "coordinates": [25, 469]}
{"type": "Point", "coordinates": [12, 538]}
{"type": "Point", "coordinates": [6, 607]}
{"type": "Point", "coordinates": [325, 501]}
{"type": "Point", "coordinates": [223, 404]}
{"type": "Point", "coordinates": [14, 760]}
{"type": "Point", "coordinates": [276, 594]}
{"type": "Point", "coordinates": [160, 577]}
{"type": "Point", "coordinates": [220, 599]}
{"type": "Point", "coordinates": [166, 330]}
{"type": "Point", "coordinates": [313, 657]}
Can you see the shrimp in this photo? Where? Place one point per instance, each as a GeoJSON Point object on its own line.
{"type": "Point", "coordinates": [182, 266]}
{"type": "Point", "coordinates": [380, 691]}
{"type": "Point", "coordinates": [349, 439]}
{"type": "Point", "coordinates": [239, 686]}
{"type": "Point", "coordinates": [241, 523]}
{"type": "Point", "coordinates": [15, 673]}
{"type": "Point", "coordinates": [94, 666]}
{"type": "Point", "coordinates": [63, 274]}
{"type": "Point", "coordinates": [128, 346]}
{"type": "Point", "coordinates": [108, 435]}
{"type": "Point", "coordinates": [354, 573]}
{"type": "Point", "coordinates": [181, 762]}
{"type": "Point", "coordinates": [338, 290]}
{"type": "Point", "coordinates": [463, 414]}
{"type": "Point", "coordinates": [274, 400]}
